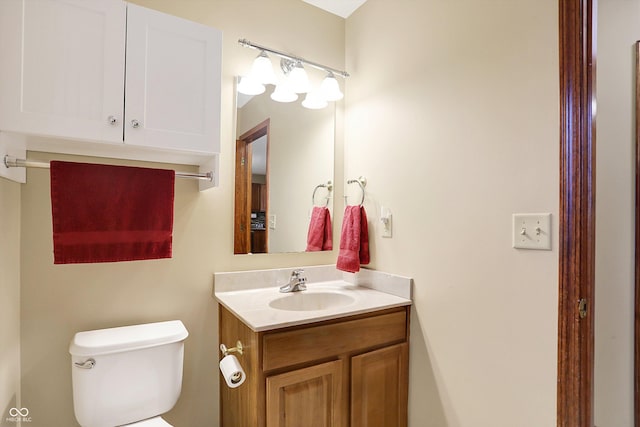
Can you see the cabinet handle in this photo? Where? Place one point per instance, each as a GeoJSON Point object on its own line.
{"type": "Point", "coordinates": [135, 123]}
{"type": "Point", "coordinates": [112, 120]}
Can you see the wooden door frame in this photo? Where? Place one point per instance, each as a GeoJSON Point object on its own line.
{"type": "Point", "coordinates": [577, 212]}
{"type": "Point", "coordinates": [242, 199]}
{"type": "Point", "coordinates": [636, 322]}
{"type": "Point", "coordinates": [242, 204]}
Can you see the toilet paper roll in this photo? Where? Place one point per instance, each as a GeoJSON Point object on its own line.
{"type": "Point", "coordinates": [232, 371]}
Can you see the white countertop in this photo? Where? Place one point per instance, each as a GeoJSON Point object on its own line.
{"type": "Point", "coordinates": [252, 305]}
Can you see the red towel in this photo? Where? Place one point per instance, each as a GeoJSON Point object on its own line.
{"type": "Point", "coordinates": [364, 237]}
{"type": "Point", "coordinates": [104, 213]}
{"type": "Point", "coordinates": [354, 240]}
{"type": "Point", "coordinates": [319, 236]}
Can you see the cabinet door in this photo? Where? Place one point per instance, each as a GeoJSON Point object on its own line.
{"type": "Point", "coordinates": [258, 197]}
{"type": "Point", "coordinates": [173, 82]}
{"type": "Point", "coordinates": [379, 388]}
{"type": "Point", "coordinates": [309, 397]}
{"type": "Point", "coordinates": [62, 70]}
{"type": "Point", "coordinates": [258, 241]}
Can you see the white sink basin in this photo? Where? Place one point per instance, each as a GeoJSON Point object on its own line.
{"type": "Point", "coordinates": [265, 308]}
{"type": "Point", "coordinates": [303, 301]}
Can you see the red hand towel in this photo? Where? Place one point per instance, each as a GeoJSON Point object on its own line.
{"type": "Point", "coordinates": [364, 237]}
{"type": "Point", "coordinates": [354, 240]}
{"type": "Point", "coordinates": [327, 244]}
{"type": "Point", "coordinates": [104, 213]}
{"type": "Point", "coordinates": [319, 236]}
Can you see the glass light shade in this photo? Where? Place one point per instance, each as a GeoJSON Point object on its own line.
{"type": "Point", "coordinates": [284, 93]}
{"type": "Point", "coordinates": [330, 88]}
{"type": "Point", "coordinates": [262, 70]}
{"type": "Point", "coordinates": [314, 101]}
{"type": "Point", "coordinates": [298, 79]}
{"type": "Point", "coordinates": [250, 86]}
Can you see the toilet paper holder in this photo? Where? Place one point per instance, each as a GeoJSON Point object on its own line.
{"type": "Point", "coordinates": [237, 349]}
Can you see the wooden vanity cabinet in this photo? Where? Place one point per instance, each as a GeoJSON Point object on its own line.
{"type": "Point", "coordinates": [338, 373]}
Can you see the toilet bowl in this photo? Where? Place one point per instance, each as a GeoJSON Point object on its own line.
{"type": "Point", "coordinates": [127, 376]}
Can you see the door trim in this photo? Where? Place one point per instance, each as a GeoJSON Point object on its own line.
{"type": "Point", "coordinates": [577, 212]}
{"type": "Point", "coordinates": [636, 346]}
{"type": "Point", "coordinates": [242, 197]}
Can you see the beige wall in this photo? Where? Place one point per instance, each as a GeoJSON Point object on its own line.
{"type": "Point", "coordinates": [452, 116]}
{"type": "Point", "coordinates": [618, 30]}
{"type": "Point", "coordinates": [59, 300]}
{"type": "Point", "coordinates": [9, 297]}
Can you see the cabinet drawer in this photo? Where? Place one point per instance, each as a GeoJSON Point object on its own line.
{"type": "Point", "coordinates": [281, 349]}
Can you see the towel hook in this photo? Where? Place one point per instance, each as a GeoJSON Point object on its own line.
{"type": "Point", "coordinates": [328, 186]}
{"type": "Point", "coordinates": [362, 182]}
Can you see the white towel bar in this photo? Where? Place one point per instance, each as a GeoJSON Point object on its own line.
{"type": "Point", "coordinates": [12, 162]}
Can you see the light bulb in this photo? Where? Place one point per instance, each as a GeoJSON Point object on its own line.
{"type": "Point", "coordinates": [283, 92]}
{"type": "Point", "coordinates": [262, 69]}
{"type": "Point", "coordinates": [298, 79]}
{"type": "Point", "coordinates": [330, 88]}
{"type": "Point", "coordinates": [249, 86]}
{"type": "Point", "coordinates": [314, 101]}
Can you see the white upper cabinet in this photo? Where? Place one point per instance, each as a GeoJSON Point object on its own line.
{"type": "Point", "coordinates": [173, 82]}
{"type": "Point", "coordinates": [63, 74]}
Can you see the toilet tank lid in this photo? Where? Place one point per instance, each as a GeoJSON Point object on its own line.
{"type": "Point", "coordinates": [125, 338]}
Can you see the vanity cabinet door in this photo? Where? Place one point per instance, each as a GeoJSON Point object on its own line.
{"type": "Point", "coordinates": [62, 70]}
{"type": "Point", "coordinates": [309, 397]}
{"type": "Point", "coordinates": [379, 387]}
{"type": "Point", "coordinates": [173, 82]}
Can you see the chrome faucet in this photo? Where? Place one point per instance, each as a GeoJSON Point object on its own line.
{"type": "Point", "coordinates": [296, 282]}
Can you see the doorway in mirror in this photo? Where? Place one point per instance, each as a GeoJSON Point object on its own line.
{"type": "Point", "coordinates": [252, 191]}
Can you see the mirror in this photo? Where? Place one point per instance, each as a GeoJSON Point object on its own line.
{"type": "Point", "coordinates": [284, 152]}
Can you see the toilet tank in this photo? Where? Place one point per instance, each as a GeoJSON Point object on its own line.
{"type": "Point", "coordinates": [136, 372]}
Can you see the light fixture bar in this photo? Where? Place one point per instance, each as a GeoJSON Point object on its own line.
{"type": "Point", "coordinates": [247, 43]}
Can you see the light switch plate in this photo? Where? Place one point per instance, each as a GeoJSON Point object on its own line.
{"type": "Point", "coordinates": [532, 231]}
{"type": "Point", "coordinates": [385, 222]}
{"type": "Point", "coordinates": [386, 229]}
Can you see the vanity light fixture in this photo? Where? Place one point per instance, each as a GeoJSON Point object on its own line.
{"type": "Point", "coordinates": [294, 71]}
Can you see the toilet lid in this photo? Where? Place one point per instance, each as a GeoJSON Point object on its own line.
{"type": "Point", "coordinates": [151, 422]}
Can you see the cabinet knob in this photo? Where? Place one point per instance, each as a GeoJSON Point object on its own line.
{"type": "Point", "coordinates": [135, 123]}
{"type": "Point", "coordinates": [112, 120]}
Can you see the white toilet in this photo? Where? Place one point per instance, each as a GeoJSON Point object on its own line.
{"type": "Point", "coordinates": [128, 375]}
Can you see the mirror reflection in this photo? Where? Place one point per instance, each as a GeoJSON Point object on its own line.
{"type": "Point", "coordinates": [283, 153]}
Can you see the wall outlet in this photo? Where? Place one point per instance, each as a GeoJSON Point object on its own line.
{"type": "Point", "coordinates": [532, 231]}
